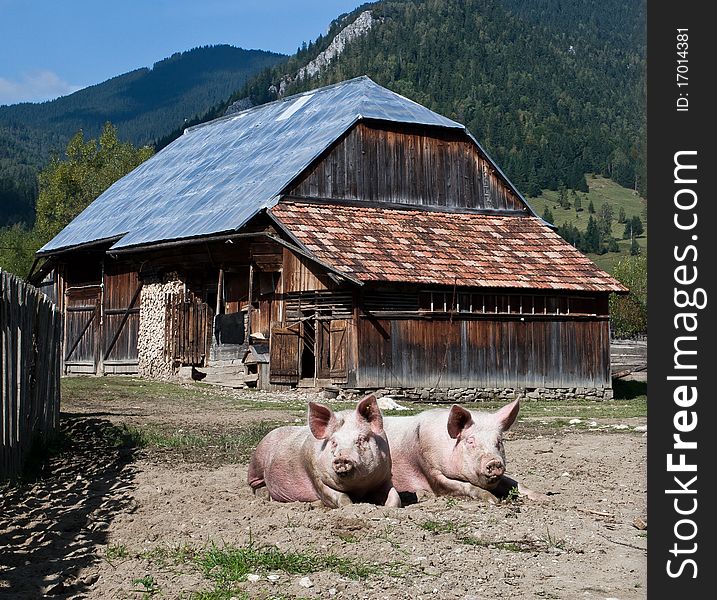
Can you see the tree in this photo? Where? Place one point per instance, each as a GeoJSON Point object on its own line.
{"type": "Point", "coordinates": [637, 228]}
{"type": "Point", "coordinates": [634, 247]}
{"type": "Point", "coordinates": [591, 208]}
{"type": "Point", "coordinates": [605, 217]}
{"type": "Point", "coordinates": [628, 313]}
{"type": "Point", "coordinates": [633, 228]}
{"type": "Point", "coordinates": [621, 218]}
{"type": "Point", "coordinates": [592, 236]}
{"type": "Point", "coordinates": [577, 203]}
{"type": "Point", "coordinates": [90, 167]}
{"type": "Point", "coordinates": [17, 249]}
{"type": "Point", "coordinates": [548, 215]}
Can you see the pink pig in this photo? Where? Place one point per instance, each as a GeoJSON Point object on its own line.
{"type": "Point", "coordinates": [454, 452]}
{"type": "Point", "coordinates": [339, 458]}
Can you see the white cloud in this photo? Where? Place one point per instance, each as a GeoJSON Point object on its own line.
{"type": "Point", "coordinates": [37, 86]}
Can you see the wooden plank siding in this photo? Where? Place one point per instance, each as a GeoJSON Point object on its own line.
{"type": "Point", "coordinates": [506, 353]}
{"type": "Point", "coordinates": [407, 166]}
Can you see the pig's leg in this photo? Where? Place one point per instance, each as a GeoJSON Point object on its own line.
{"type": "Point", "coordinates": [393, 499]}
{"type": "Point", "coordinates": [389, 496]}
{"type": "Point", "coordinates": [331, 497]}
{"type": "Point", "coordinates": [455, 487]}
{"type": "Point", "coordinates": [507, 484]}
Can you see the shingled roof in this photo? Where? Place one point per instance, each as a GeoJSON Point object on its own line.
{"type": "Point", "coordinates": [218, 175]}
{"type": "Point", "coordinates": [440, 248]}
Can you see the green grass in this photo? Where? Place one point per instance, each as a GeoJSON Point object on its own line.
{"type": "Point", "coordinates": [440, 526]}
{"type": "Point", "coordinates": [601, 190]}
{"type": "Point", "coordinates": [116, 552]}
{"type": "Point", "coordinates": [227, 566]}
{"type": "Point", "coordinates": [234, 563]}
{"type": "Point", "coordinates": [239, 444]}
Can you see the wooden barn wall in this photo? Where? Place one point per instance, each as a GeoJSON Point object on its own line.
{"type": "Point", "coordinates": [483, 353]}
{"type": "Point", "coordinates": [300, 275]}
{"type": "Point", "coordinates": [428, 168]}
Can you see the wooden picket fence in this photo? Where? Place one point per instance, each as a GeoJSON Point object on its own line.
{"type": "Point", "coordinates": [30, 334]}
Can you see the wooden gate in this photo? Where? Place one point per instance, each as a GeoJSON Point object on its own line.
{"type": "Point", "coordinates": [82, 329]}
{"type": "Point", "coordinates": [188, 331]}
{"type": "Point", "coordinates": [284, 352]}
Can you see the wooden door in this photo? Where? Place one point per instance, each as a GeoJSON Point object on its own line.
{"type": "Point", "coordinates": [120, 320]}
{"type": "Point", "coordinates": [339, 349]}
{"type": "Point", "coordinates": [82, 329]}
{"type": "Point", "coordinates": [284, 353]}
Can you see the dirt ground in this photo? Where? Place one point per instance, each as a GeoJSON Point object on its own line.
{"type": "Point", "coordinates": [112, 520]}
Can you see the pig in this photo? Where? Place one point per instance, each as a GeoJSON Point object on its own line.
{"type": "Point", "coordinates": [338, 459]}
{"type": "Point", "coordinates": [454, 452]}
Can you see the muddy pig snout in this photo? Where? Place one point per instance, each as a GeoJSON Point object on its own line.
{"type": "Point", "coordinates": [343, 465]}
{"type": "Point", "coordinates": [493, 467]}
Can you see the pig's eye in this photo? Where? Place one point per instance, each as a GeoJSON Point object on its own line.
{"type": "Point", "coordinates": [470, 441]}
{"type": "Point", "coordinates": [333, 444]}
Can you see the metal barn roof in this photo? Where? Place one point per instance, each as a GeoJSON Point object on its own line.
{"type": "Point", "coordinates": [218, 175]}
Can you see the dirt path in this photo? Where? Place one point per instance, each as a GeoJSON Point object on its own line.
{"type": "Point", "coordinates": [127, 523]}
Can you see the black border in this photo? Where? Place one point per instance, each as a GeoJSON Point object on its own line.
{"type": "Point", "coordinates": [668, 132]}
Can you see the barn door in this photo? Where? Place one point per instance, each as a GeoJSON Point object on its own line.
{"type": "Point", "coordinates": [82, 326]}
{"type": "Point", "coordinates": [338, 351]}
{"type": "Point", "coordinates": [120, 320]}
{"type": "Point", "coordinates": [284, 353]}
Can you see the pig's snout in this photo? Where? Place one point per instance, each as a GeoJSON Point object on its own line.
{"type": "Point", "coordinates": [494, 468]}
{"type": "Point", "coordinates": [343, 466]}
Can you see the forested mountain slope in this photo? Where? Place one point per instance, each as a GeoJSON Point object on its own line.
{"type": "Point", "coordinates": [145, 105]}
{"type": "Point", "coordinates": [552, 88]}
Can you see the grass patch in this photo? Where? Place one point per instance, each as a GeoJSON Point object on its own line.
{"type": "Point", "coordinates": [146, 586]}
{"type": "Point", "coordinates": [231, 563]}
{"type": "Point", "coordinates": [568, 409]}
{"type": "Point", "coordinates": [116, 552]}
{"type": "Point", "coordinates": [437, 527]}
{"type": "Point", "coordinates": [239, 444]}
{"type": "Point", "coordinates": [508, 546]}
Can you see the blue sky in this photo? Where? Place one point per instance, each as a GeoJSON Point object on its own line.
{"type": "Point", "coordinates": [50, 48]}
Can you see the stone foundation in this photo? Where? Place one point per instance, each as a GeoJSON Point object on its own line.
{"type": "Point", "coordinates": [463, 395]}
{"type": "Point", "coordinates": [150, 343]}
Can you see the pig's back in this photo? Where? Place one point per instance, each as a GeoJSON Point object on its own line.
{"type": "Point", "coordinates": [281, 463]}
{"type": "Point", "coordinates": [407, 440]}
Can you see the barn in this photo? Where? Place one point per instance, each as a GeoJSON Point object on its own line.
{"type": "Point", "coordinates": [345, 237]}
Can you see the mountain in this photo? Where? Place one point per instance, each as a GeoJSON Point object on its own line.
{"type": "Point", "coordinates": [553, 89]}
{"type": "Point", "coordinates": [145, 105]}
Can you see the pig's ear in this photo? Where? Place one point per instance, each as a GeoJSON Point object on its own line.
{"type": "Point", "coordinates": [368, 410]}
{"type": "Point", "coordinates": [458, 420]}
{"type": "Point", "coordinates": [507, 415]}
{"type": "Point", "coordinates": [321, 420]}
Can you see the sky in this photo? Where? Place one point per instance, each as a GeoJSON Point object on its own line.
{"type": "Point", "coordinates": [50, 48]}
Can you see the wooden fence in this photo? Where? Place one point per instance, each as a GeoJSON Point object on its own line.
{"type": "Point", "coordinates": [30, 334]}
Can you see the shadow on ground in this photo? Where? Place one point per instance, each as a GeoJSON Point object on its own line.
{"type": "Point", "coordinates": [625, 389]}
{"type": "Point", "coordinates": [52, 524]}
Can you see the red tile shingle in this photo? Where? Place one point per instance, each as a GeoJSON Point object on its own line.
{"type": "Point", "coordinates": [416, 246]}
